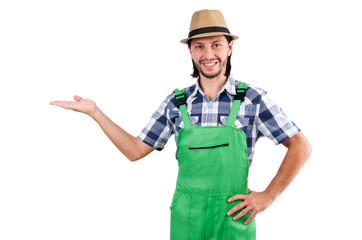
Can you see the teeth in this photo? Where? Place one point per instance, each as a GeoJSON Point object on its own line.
{"type": "Point", "coordinates": [209, 64]}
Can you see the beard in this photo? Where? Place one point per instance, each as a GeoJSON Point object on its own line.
{"type": "Point", "coordinates": [211, 75]}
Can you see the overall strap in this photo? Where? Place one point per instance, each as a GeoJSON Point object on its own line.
{"type": "Point", "coordinates": [180, 97]}
{"type": "Point", "coordinates": [238, 99]}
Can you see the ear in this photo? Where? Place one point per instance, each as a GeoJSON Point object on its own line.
{"type": "Point", "coordinates": [230, 47]}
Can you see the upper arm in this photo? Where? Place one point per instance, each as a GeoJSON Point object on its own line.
{"type": "Point", "coordinates": [293, 140]}
{"type": "Point", "coordinates": [272, 122]}
{"type": "Point", "coordinates": [143, 149]}
{"type": "Point", "coordinates": [159, 129]}
{"type": "Point", "coordinates": [298, 141]}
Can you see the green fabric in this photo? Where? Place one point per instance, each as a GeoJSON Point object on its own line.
{"type": "Point", "coordinates": [213, 166]}
{"type": "Point", "coordinates": [185, 117]}
{"type": "Point", "coordinates": [235, 107]}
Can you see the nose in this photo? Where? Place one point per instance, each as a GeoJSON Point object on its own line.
{"type": "Point", "coordinates": [208, 52]}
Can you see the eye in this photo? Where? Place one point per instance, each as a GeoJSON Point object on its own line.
{"type": "Point", "coordinates": [198, 46]}
{"type": "Point", "coordinates": [217, 45]}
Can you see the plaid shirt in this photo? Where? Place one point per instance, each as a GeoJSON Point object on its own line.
{"type": "Point", "coordinates": [258, 116]}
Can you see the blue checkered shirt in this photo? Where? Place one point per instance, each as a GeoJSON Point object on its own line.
{"type": "Point", "coordinates": [258, 116]}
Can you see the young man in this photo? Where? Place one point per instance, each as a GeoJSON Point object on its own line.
{"type": "Point", "coordinates": [216, 123]}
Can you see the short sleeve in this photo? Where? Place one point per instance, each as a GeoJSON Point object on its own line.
{"type": "Point", "coordinates": [157, 132]}
{"type": "Point", "coordinates": [273, 123]}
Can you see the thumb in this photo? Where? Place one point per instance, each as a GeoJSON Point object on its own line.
{"type": "Point", "coordinates": [77, 98]}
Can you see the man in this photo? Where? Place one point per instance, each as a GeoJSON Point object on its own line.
{"type": "Point", "coordinates": [216, 123]}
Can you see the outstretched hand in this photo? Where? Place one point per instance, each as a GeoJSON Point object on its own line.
{"type": "Point", "coordinates": [255, 202]}
{"type": "Point", "coordinates": [80, 104]}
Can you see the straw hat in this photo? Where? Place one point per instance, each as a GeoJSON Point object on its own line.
{"type": "Point", "coordinates": [207, 23]}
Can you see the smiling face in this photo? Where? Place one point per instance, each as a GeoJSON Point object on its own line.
{"type": "Point", "coordinates": [210, 55]}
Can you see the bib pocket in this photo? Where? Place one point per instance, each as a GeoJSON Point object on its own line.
{"type": "Point", "coordinates": [208, 147]}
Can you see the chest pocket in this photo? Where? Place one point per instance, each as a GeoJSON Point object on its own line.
{"type": "Point", "coordinates": [239, 123]}
{"type": "Point", "coordinates": [180, 124]}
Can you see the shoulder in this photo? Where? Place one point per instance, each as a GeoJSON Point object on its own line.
{"type": "Point", "coordinates": [254, 94]}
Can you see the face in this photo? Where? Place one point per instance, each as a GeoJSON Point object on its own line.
{"type": "Point", "coordinates": [210, 55]}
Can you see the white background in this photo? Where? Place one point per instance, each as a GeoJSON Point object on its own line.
{"type": "Point", "coordinates": [61, 178]}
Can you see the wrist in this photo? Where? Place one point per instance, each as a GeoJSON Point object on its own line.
{"type": "Point", "coordinates": [271, 194]}
{"type": "Point", "coordinates": [96, 114]}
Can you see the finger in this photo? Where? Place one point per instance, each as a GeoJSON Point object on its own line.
{"type": "Point", "coordinates": [237, 197]}
{"type": "Point", "coordinates": [236, 208]}
{"type": "Point", "coordinates": [56, 103]}
{"type": "Point", "coordinates": [63, 104]}
{"type": "Point", "coordinates": [242, 213]}
{"type": "Point", "coordinates": [77, 98]}
{"type": "Point", "coordinates": [250, 218]}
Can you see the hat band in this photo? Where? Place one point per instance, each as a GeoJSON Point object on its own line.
{"type": "Point", "coordinates": [208, 30]}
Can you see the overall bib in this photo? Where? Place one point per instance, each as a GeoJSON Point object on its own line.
{"type": "Point", "coordinates": [213, 166]}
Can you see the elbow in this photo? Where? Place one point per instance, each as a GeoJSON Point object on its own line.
{"type": "Point", "coordinates": [300, 146]}
{"type": "Point", "coordinates": [131, 159]}
{"type": "Point", "coordinates": [138, 151]}
{"type": "Point", "coordinates": [134, 156]}
{"type": "Point", "coordinates": [308, 149]}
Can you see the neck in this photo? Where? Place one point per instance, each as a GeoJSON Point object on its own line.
{"type": "Point", "coordinates": [212, 86]}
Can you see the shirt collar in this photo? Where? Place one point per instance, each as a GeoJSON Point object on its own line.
{"type": "Point", "coordinates": [229, 87]}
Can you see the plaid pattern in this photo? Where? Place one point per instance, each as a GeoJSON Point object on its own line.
{"type": "Point", "coordinates": [258, 116]}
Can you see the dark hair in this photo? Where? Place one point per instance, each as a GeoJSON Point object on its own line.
{"type": "Point", "coordinates": [196, 73]}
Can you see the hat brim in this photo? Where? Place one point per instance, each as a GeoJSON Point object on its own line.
{"type": "Point", "coordinates": [208, 35]}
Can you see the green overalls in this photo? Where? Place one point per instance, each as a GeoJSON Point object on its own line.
{"type": "Point", "coordinates": [213, 166]}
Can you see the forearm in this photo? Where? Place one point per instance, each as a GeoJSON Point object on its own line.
{"type": "Point", "coordinates": [298, 152]}
{"type": "Point", "coordinates": [130, 146]}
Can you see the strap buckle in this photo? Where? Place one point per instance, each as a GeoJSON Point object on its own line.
{"type": "Point", "coordinates": [240, 94]}
{"type": "Point", "coordinates": [180, 99]}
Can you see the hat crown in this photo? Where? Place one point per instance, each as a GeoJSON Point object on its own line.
{"type": "Point", "coordinates": [207, 18]}
{"type": "Point", "coordinates": [207, 23]}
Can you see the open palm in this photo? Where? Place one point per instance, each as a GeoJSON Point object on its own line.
{"type": "Point", "coordinates": [80, 104]}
